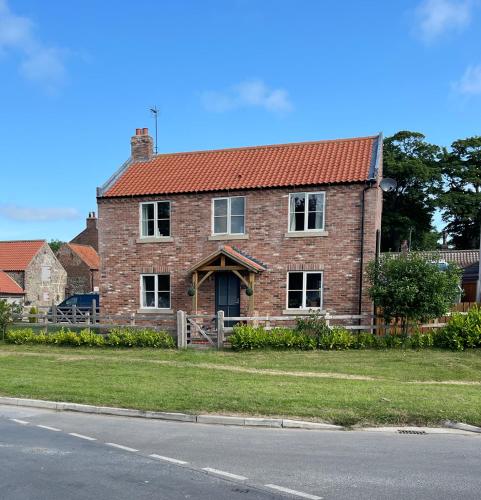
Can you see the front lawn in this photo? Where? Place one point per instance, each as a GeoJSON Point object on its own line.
{"type": "Point", "coordinates": [344, 387]}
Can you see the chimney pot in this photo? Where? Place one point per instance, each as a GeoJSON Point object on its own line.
{"type": "Point", "coordinates": [138, 131]}
{"type": "Point", "coordinates": [145, 131]}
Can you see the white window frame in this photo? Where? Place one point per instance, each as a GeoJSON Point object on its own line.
{"type": "Point", "coordinates": [156, 291]}
{"type": "Point", "coordinates": [229, 215]}
{"type": "Point", "coordinates": [306, 212]}
{"type": "Point", "coordinates": [304, 291]}
{"type": "Point", "coordinates": [156, 218]}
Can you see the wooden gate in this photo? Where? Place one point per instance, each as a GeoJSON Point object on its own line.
{"type": "Point", "coordinates": [199, 330]}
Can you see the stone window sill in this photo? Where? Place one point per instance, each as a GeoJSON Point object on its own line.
{"type": "Point", "coordinates": [153, 239]}
{"type": "Point", "coordinates": [220, 237]}
{"type": "Point", "coordinates": [306, 234]}
{"type": "Point", "coordinates": [155, 311]}
{"type": "Point", "coordinates": [302, 312]}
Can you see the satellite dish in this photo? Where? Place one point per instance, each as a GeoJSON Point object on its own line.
{"type": "Point", "coordinates": [388, 185]}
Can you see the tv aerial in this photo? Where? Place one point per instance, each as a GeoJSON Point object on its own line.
{"type": "Point", "coordinates": [155, 113]}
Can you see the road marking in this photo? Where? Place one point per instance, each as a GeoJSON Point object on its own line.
{"type": "Point", "coordinates": [168, 459]}
{"type": "Point", "coordinates": [23, 422]}
{"type": "Point", "coordinates": [121, 447]}
{"type": "Point", "coordinates": [226, 474]}
{"type": "Point", "coordinates": [49, 428]}
{"type": "Point", "coordinates": [81, 436]}
{"type": "Point", "coordinates": [293, 492]}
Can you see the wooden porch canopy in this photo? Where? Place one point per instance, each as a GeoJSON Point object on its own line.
{"type": "Point", "coordinates": [226, 259]}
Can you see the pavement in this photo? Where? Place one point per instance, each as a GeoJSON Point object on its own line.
{"type": "Point", "coordinates": [51, 455]}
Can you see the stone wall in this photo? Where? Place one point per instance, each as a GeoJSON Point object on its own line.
{"type": "Point", "coordinates": [337, 253]}
{"type": "Point", "coordinates": [43, 287]}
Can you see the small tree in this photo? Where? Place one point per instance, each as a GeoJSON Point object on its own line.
{"type": "Point", "coordinates": [413, 287]}
{"type": "Point", "coordinates": [7, 312]}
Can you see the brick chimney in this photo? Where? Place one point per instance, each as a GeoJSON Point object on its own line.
{"type": "Point", "coordinates": [142, 145]}
{"type": "Point", "coordinates": [92, 221]}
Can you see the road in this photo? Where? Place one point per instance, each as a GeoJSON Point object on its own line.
{"type": "Point", "coordinates": [62, 455]}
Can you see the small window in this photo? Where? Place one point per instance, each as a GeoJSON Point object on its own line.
{"type": "Point", "coordinates": [306, 212]}
{"type": "Point", "coordinates": [228, 215]}
{"type": "Point", "coordinates": [155, 291]}
{"type": "Point", "coordinates": [46, 274]}
{"type": "Point", "coordinates": [155, 219]}
{"type": "Point", "coordinates": [304, 290]}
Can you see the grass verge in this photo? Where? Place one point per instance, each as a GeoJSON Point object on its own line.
{"type": "Point", "coordinates": [346, 387]}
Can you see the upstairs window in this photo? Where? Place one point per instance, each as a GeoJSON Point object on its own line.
{"type": "Point", "coordinates": [155, 291]}
{"type": "Point", "coordinates": [228, 215]}
{"type": "Point", "coordinates": [306, 211]}
{"type": "Point", "coordinates": [155, 219]}
{"type": "Point", "coordinates": [304, 290]}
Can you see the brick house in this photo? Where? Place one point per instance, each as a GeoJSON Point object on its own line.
{"type": "Point", "coordinates": [82, 265]}
{"type": "Point", "coordinates": [89, 236]}
{"type": "Point", "coordinates": [34, 268]}
{"type": "Point", "coordinates": [280, 229]}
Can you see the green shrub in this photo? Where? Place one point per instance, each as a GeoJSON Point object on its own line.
{"type": "Point", "coordinates": [461, 332]}
{"type": "Point", "coordinates": [33, 311]}
{"type": "Point", "coordinates": [337, 338]}
{"type": "Point", "coordinates": [365, 340]}
{"type": "Point", "coordinates": [247, 337]}
{"type": "Point", "coordinates": [131, 337]}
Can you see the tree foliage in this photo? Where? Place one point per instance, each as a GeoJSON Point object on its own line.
{"type": "Point", "coordinates": [461, 199]}
{"type": "Point", "coordinates": [413, 287]}
{"type": "Point", "coordinates": [7, 311]}
{"type": "Point", "coordinates": [413, 163]}
{"type": "Point", "coordinates": [55, 245]}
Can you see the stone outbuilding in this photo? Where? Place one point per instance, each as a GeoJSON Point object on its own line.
{"type": "Point", "coordinates": [82, 265]}
{"type": "Point", "coordinates": [10, 290]}
{"type": "Point", "coordinates": [35, 269]}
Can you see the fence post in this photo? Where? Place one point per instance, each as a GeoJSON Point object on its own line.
{"type": "Point", "coordinates": [181, 330]}
{"type": "Point", "coordinates": [94, 311]}
{"type": "Point", "coordinates": [74, 314]}
{"type": "Point", "coordinates": [132, 319]}
{"type": "Point", "coordinates": [87, 314]}
{"type": "Point", "coordinates": [54, 314]}
{"type": "Point", "coordinates": [220, 329]}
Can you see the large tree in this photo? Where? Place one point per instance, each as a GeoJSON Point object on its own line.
{"type": "Point", "coordinates": [408, 211]}
{"type": "Point", "coordinates": [461, 199]}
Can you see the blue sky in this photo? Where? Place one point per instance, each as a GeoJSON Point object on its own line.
{"type": "Point", "coordinates": [77, 78]}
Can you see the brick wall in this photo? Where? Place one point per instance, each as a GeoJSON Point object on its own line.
{"type": "Point", "coordinates": [89, 236]}
{"type": "Point", "coordinates": [80, 279]}
{"type": "Point", "coordinates": [123, 259]}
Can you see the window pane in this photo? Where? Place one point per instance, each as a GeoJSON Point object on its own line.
{"type": "Point", "coordinates": [314, 281]}
{"type": "Point", "coordinates": [237, 224]}
{"type": "Point", "coordinates": [149, 299]}
{"type": "Point", "coordinates": [163, 282]}
{"type": "Point", "coordinates": [148, 219]}
{"type": "Point", "coordinates": [313, 298]}
{"type": "Point", "coordinates": [220, 207]}
{"type": "Point", "coordinates": [295, 281]}
{"type": "Point", "coordinates": [298, 221]}
{"type": "Point", "coordinates": [148, 284]}
{"type": "Point", "coordinates": [315, 220]}
{"type": "Point", "coordinates": [220, 225]}
{"type": "Point", "coordinates": [147, 211]}
{"type": "Point", "coordinates": [164, 300]}
{"type": "Point", "coordinates": [163, 209]}
{"type": "Point", "coordinates": [163, 226]}
{"type": "Point", "coordinates": [298, 202]}
{"type": "Point", "coordinates": [316, 202]}
{"type": "Point", "coordinates": [294, 300]}
{"type": "Point", "coordinates": [237, 206]}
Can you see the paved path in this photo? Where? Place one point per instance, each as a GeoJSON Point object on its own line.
{"type": "Point", "coordinates": [47, 454]}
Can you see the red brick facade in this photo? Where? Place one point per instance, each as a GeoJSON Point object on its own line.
{"type": "Point", "coordinates": [337, 253]}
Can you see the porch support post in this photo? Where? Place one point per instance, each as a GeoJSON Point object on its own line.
{"type": "Point", "coordinates": [251, 298]}
{"type": "Point", "coordinates": [195, 284]}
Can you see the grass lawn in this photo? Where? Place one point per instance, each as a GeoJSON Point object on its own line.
{"type": "Point", "coordinates": [344, 387]}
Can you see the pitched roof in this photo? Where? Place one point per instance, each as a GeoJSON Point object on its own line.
{"type": "Point", "coordinates": [463, 258]}
{"type": "Point", "coordinates": [9, 286]}
{"type": "Point", "coordinates": [233, 253]}
{"type": "Point", "coordinates": [295, 164]}
{"type": "Point", "coordinates": [17, 255]}
{"type": "Point", "coordinates": [87, 254]}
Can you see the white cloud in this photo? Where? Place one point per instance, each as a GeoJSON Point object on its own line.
{"type": "Point", "coordinates": [470, 82]}
{"type": "Point", "coordinates": [39, 63]}
{"type": "Point", "coordinates": [250, 93]}
{"type": "Point", "coordinates": [33, 214]}
{"type": "Point", "coordinates": [435, 18]}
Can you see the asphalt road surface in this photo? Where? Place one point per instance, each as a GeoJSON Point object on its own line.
{"type": "Point", "coordinates": [62, 455]}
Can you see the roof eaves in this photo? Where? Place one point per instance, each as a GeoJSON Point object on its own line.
{"type": "Point", "coordinates": [114, 178]}
{"type": "Point", "coordinates": [376, 157]}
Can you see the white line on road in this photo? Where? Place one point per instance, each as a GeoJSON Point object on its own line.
{"type": "Point", "coordinates": [49, 428]}
{"type": "Point", "coordinates": [23, 422]}
{"type": "Point", "coordinates": [293, 492]}
{"type": "Point", "coordinates": [81, 436]}
{"type": "Point", "coordinates": [168, 459]}
{"type": "Point", "coordinates": [121, 447]}
{"type": "Point", "coordinates": [223, 473]}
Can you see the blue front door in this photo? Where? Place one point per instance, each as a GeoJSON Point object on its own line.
{"type": "Point", "coordinates": [227, 295]}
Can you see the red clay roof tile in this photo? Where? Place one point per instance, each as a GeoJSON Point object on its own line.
{"type": "Point", "coordinates": [17, 255]}
{"type": "Point", "coordinates": [87, 254]}
{"type": "Point", "coordinates": [296, 164]}
{"type": "Point", "coordinates": [9, 286]}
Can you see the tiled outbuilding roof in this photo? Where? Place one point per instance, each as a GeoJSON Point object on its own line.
{"type": "Point", "coordinates": [463, 258]}
{"type": "Point", "coordinates": [296, 164]}
{"type": "Point", "coordinates": [87, 254]}
{"type": "Point", "coordinates": [8, 286]}
{"type": "Point", "coordinates": [17, 255]}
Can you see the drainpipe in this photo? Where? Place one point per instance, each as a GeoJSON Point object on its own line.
{"type": "Point", "coordinates": [361, 267]}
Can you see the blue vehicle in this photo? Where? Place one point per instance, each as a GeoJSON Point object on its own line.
{"type": "Point", "coordinates": [81, 301]}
